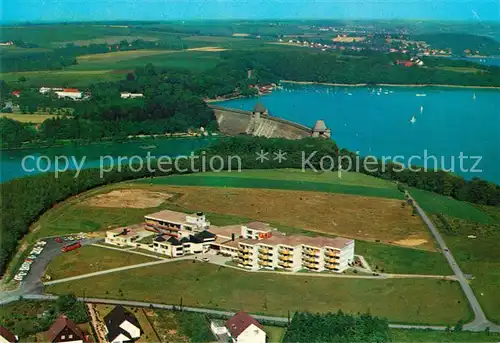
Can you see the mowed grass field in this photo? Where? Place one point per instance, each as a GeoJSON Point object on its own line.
{"type": "Point", "coordinates": [436, 203]}
{"type": "Point", "coordinates": [91, 259]}
{"type": "Point", "coordinates": [120, 60]}
{"type": "Point", "coordinates": [205, 285]}
{"type": "Point", "coordinates": [426, 336]}
{"type": "Point", "coordinates": [479, 256]}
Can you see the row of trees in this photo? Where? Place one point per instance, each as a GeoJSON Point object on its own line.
{"type": "Point", "coordinates": [27, 323]}
{"type": "Point", "coordinates": [337, 327]}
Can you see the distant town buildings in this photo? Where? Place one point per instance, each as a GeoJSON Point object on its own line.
{"type": "Point", "coordinates": [254, 245]}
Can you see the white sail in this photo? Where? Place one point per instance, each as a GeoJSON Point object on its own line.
{"type": "Point", "coordinates": [413, 120]}
{"type": "Point", "coordinates": [421, 109]}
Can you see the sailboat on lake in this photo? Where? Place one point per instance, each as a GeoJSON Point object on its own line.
{"type": "Point", "coordinates": [474, 96]}
{"type": "Point", "coordinates": [413, 120]}
{"type": "Point", "coordinates": [421, 109]}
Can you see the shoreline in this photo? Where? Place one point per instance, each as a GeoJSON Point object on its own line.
{"type": "Point", "coordinates": [385, 85]}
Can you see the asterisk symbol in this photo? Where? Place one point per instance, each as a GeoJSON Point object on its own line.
{"type": "Point", "coordinates": [262, 156]}
{"type": "Point", "coordinates": [279, 156]}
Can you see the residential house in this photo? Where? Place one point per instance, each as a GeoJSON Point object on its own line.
{"type": "Point", "coordinates": [6, 336]}
{"type": "Point", "coordinates": [122, 326]}
{"type": "Point", "coordinates": [243, 328]}
{"type": "Point", "coordinates": [172, 222]}
{"type": "Point", "coordinates": [65, 330]}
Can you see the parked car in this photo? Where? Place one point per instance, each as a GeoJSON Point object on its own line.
{"type": "Point", "coordinates": [58, 240]}
{"type": "Point", "coordinates": [28, 260]}
{"type": "Point", "coordinates": [18, 277]}
{"type": "Point", "coordinates": [205, 259]}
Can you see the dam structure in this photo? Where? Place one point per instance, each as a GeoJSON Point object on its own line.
{"type": "Point", "coordinates": [259, 122]}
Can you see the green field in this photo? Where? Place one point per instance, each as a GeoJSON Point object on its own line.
{"type": "Point", "coordinates": [426, 336]}
{"type": "Point", "coordinates": [435, 203]}
{"type": "Point", "coordinates": [91, 259]}
{"type": "Point", "coordinates": [291, 182]}
{"type": "Point", "coordinates": [398, 260]}
{"type": "Point", "coordinates": [345, 178]}
{"type": "Point", "coordinates": [205, 285]}
{"type": "Point", "coordinates": [274, 334]}
{"type": "Point", "coordinates": [478, 256]}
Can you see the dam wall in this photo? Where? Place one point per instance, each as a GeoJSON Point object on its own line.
{"type": "Point", "coordinates": [235, 122]}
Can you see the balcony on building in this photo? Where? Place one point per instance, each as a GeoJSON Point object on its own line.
{"type": "Point", "coordinates": [285, 251]}
{"type": "Point", "coordinates": [264, 250]}
{"type": "Point", "coordinates": [332, 253]}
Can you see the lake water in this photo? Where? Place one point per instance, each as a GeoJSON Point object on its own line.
{"type": "Point", "coordinates": [11, 160]}
{"type": "Point", "coordinates": [448, 121]}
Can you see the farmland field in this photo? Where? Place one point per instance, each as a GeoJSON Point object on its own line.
{"type": "Point", "coordinates": [123, 60]}
{"type": "Point", "coordinates": [73, 78]}
{"type": "Point", "coordinates": [27, 118]}
{"type": "Point", "coordinates": [436, 203]}
{"type": "Point", "coordinates": [204, 285]}
{"type": "Point", "coordinates": [91, 259]}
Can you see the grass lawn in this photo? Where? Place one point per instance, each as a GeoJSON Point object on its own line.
{"type": "Point", "coordinates": [28, 118]}
{"type": "Point", "coordinates": [91, 259]}
{"type": "Point", "coordinates": [478, 256]}
{"type": "Point", "coordinates": [205, 285]}
{"type": "Point", "coordinates": [440, 336]}
{"type": "Point", "coordinates": [392, 259]}
{"type": "Point", "coordinates": [275, 334]}
{"type": "Point", "coordinates": [117, 56]}
{"type": "Point", "coordinates": [435, 203]}
{"type": "Point", "coordinates": [73, 78]}
{"type": "Point", "coordinates": [289, 184]}
{"type": "Point", "coordinates": [166, 325]}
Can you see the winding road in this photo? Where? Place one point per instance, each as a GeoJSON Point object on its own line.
{"type": "Point", "coordinates": [480, 322]}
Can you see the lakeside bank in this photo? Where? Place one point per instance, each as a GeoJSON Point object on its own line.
{"type": "Point", "coordinates": [383, 85]}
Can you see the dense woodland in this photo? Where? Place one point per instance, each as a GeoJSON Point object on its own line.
{"type": "Point", "coordinates": [337, 327]}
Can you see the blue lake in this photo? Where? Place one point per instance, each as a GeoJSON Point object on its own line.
{"type": "Point", "coordinates": [94, 155]}
{"type": "Point", "coordinates": [448, 122]}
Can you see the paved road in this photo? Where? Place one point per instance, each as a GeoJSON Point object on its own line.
{"type": "Point", "coordinates": [480, 322]}
{"type": "Point", "coordinates": [32, 282]}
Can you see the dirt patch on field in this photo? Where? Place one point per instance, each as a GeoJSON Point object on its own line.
{"type": "Point", "coordinates": [208, 49]}
{"type": "Point", "coordinates": [366, 218]}
{"type": "Point", "coordinates": [411, 242]}
{"type": "Point", "coordinates": [129, 198]}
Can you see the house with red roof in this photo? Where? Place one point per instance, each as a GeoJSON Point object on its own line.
{"type": "Point", "coordinates": [243, 328]}
{"type": "Point", "coordinates": [65, 330]}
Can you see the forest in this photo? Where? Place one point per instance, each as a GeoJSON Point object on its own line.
{"type": "Point", "coordinates": [337, 327]}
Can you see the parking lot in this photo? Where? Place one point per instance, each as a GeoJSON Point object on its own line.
{"type": "Point", "coordinates": [31, 271]}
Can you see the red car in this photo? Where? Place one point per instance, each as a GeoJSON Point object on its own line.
{"type": "Point", "coordinates": [59, 240]}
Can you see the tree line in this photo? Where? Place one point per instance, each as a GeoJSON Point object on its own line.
{"type": "Point", "coordinates": [369, 67]}
{"type": "Point", "coordinates": [337, 327]}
